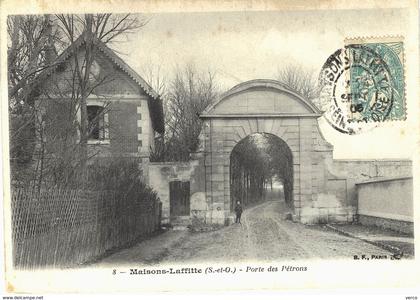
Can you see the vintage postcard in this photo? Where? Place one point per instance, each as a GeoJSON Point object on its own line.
{"type": "Point", "coordinates": [202, 146]}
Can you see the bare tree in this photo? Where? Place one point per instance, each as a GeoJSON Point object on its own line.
{"type": "Point", "coordinates": [155, 77]}
{"type": "Point", "coordinates": [159, 82]}
{"type": "Point", "coordinates": [300, 80]}
{"type": "Point", "coordinates": [99, 27]}
{"type": "Point", "coordinates": [249, 170]}
{"type": "Point", "coordinates": [31, 38]}
{"type": "Point", "coordinates": [254, 162]}
{"type": "Point", "coordinates": [188, 94]}
{"type": "Point", "coordinates": [34, 44]}
{"type": "Point", "coordinates": [31, 42]}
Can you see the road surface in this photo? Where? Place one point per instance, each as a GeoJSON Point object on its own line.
{"type": "Point", "coordinates": [264, 235]}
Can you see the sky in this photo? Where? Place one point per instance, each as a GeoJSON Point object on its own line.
{"type": "Point", "coordinates": [240, 46]}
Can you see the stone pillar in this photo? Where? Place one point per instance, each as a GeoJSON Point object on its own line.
{"type": "Point", "coordinates": [198, 203]}
{"type": "Point", "coordinates": [144, 166]}
{"type": "Point", "coordinates": [307, 214]}
{"type": "Point", "coordinates": [217, 178]}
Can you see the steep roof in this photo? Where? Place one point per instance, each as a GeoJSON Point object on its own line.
{"type": "Point", "coordinates": [154, 100]}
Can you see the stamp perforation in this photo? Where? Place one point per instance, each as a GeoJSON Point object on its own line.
{"type": "Point", "coordinates": [377, 92]}
{"type": "Point", "coordinates": [389, 38]}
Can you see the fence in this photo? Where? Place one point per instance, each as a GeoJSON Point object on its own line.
{"type": "Point", "coordinates": [58, 228]}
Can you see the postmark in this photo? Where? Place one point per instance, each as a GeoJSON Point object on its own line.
{"type": "Point", "coordinates": [362, 85]}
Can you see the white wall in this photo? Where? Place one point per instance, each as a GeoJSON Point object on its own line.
{"type": "Point", "coordinates": [387, 198]}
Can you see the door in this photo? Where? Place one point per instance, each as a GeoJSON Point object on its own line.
{"type": "Point", "coordinates": [179, 198]}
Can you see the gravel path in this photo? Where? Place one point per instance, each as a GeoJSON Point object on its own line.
{"type": "Point", "coordinates": [264, 235]}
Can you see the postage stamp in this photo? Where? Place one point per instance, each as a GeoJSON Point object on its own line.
{"type": "Point", "coordinates": [363, 84]}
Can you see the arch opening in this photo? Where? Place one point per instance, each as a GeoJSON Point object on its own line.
{"type": "Point", "coordinates": [261, 168]}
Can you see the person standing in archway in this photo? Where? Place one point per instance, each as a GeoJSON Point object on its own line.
{"type": "Point", "coordinates": [238, 211]}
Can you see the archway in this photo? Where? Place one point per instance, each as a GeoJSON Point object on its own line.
{"type": "Point", "coordinates": [270, 107]}
{"type": "Point", "coordinates": [255, 162]}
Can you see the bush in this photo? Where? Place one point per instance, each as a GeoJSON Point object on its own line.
{"type": "Point", "coordinates": [111, 210]}
{"type": "Point", "coordinates": [123, 175]}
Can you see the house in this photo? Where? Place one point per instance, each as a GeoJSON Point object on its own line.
{"type": "Point", "coordinates": [124, 113]}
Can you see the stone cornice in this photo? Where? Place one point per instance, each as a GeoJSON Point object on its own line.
{"type": "Point", "coordinates": [258, 115]}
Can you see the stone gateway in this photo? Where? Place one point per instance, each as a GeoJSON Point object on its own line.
{"type": "Point", "coordinates": [322, 190]}
{"type": "Point", "coordinates": [266, 106]}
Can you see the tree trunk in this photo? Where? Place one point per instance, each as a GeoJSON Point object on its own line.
{"type": "Point", "coordinates": [84, 85]}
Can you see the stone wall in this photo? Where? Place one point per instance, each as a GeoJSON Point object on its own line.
{"type": "Point", "coordinates": [330, 185]}
{"type": "Point", "coordinates": [338, 202]}
{"type": "Point", "coordinates": [324, 189]}
{"type": "Point", "coordinates": [160, 174]}
{"type": "Point", "coordinates": [386, 202]}
{"type": "Point", "coordinates": [360, 170]}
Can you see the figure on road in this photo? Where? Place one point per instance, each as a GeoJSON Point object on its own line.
{"type": "Point", "coordinates": [238, 211]}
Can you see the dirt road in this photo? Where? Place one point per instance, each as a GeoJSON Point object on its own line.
{"type": "Point", "coordinates": [264, 235]}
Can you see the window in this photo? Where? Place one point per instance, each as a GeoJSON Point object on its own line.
{"type": "Point", "coordinates": [97, 123]}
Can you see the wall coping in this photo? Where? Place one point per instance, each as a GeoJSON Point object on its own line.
{"type": "Point", "coordinates": [260, 115]}
{"type": "Point", "coordinates": [383, 179]}
{"type": "Point", "coordinates": [372, 159]}
{"type": "Point", "coordinates": [171, 163]}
